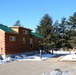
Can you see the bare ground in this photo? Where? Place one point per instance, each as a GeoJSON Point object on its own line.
{"type": "Point", "coordinates": [36, 67]}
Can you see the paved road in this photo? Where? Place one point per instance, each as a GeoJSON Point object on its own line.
{"type": "Point", "coordinates": [36, 67]}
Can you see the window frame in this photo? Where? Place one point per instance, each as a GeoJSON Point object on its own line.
{"type": "Point", "coordinates": [12, 38]}
{"type": "Point", "coordinates": [23, 40]}
{"type": "Point", "coordinates": [31, 43]}
{"type": "Point", "coordinates": [25, 32]}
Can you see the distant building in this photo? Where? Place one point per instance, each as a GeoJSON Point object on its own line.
{"type": "Point", "coordinates": [15, 39]}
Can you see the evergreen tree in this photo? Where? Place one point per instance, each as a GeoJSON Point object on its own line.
{"type": "Point", "coordinates": [58, 35]}
{"type": "Point", "coordinates": [72, 31]}
{"type": "Point", "coordinates": [62, 28]}
{"type": "Point", "coordinates": [17, 23]}
{"type": "Point", "coordinates": [44, 28]}
{"type": "Point", "coordinates": [64, 34]}
{"type": "Point", "coordinates": [72, 21]}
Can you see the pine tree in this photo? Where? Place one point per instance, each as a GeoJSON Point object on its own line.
{"type": "Point", "coordinates": [17, 23]}
{"type": "Point", "coordinates": [72, 32]}
{"type": "Point", "coordinates": [44, 28]}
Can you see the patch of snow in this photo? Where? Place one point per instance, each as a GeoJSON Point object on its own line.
{"type": "Point", "coordinates": [71, 57]}
{"type": "Point", "coordinates": [58, 72]}
{"type": "Point", "coordinates": [24, 56]}
{"type": "Point", "coordinates": [18, 57]}
{"type": "Point", "coordinates": [9, 59]}
{"type": "Point", "coordinates": [35, 57]}
{"type": "Point", "coordinates": [61, 52]}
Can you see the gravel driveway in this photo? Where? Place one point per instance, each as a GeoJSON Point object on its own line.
{"type": "Point", "coordinates": [36, 67]}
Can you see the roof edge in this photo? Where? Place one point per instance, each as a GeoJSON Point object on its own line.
{"type": "Point", "coordinates": [19, 27]}
{"type": "Point", "coordinates": [37, 35]}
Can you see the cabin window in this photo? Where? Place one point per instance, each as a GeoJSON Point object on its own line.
{"type": "Point", "coordinates": [24, 41]}
{"type": "Point", "coordinates": [25, 32]}
{"type": "Point", "coordinates": [12, 38]}
{"type": "Point", "coordinates": [31, 43]}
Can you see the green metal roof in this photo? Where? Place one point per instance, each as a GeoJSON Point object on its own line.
{"type": "Point", "coordinates": [6, 29]}
{"type": "Point", "coordinates": [37, 35]}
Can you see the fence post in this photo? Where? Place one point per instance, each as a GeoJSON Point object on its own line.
{"type": "Point", "coordinates": [40, 53]}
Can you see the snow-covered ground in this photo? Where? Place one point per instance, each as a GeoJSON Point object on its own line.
{"type": "Point", "coordinates": [36, 57]}
{"type": "Point", "coordinates": [64, 52]}
{"type": "Point", "coordinates": [71, 57]}
{"type": "Point", "coordinates": [68, 56]}
{"type": "Point", "coordinates": [58, 72]}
